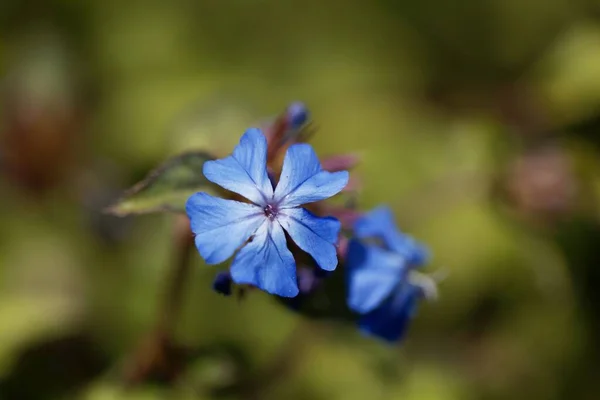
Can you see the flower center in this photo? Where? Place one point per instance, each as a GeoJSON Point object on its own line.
{"type": "Point", "coordinates": [270, 211]}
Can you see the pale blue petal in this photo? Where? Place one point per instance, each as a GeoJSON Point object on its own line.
{"type": "Point", "coordinates": [415, 253]}
{"type": "Point", "coordinates": [379, 223]}
{"type": "Point", "coordinates": [266, 262]}
{"type": "Point", "coordinates": [303, 181]}
{"type": "Point", "coordinates": [372, 274]}
{"type": "Point", "coordinates": [221, 226]}
{"type": "Point", "coordinates": [245, 171]}
{"type": "Point", "coordinates": [300, 164]}
{"type": "Point", "coordinates": [315, 235]}
{"type": "Point", "coordinates": [392, 319]}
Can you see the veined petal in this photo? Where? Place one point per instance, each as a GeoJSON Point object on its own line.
{"type": "Point", "coordinates": [266, 262]}
{"type": "Point", "coordinates": [221, 226]}
{"type": "Point", "coordinates": [372, 274]}
{"type": "Point", "coordinates": [391, 320]}
{"type": "Point", "coordinates": [303, 181]}
{"type": "Point", "coordinates": [245, 171]}
{"type": "Point", "coordinates": [315, 235]}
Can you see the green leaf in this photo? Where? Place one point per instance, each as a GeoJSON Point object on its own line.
{"type": "Point", "coordinates": [167, 188]}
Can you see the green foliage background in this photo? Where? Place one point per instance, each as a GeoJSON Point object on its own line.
{"type": "Point", "coordinates": [447, 101]}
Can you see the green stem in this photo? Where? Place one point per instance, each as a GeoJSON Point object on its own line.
{"type": "Point", "coordinates": [157, 356]}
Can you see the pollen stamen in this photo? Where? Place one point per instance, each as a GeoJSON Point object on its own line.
{"type": "Point", "coordinates": [270, 211]}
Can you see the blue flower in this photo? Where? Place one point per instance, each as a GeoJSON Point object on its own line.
{"type": "Point", "coordinates": [222, 226]}
{"type": "Point", "coordinates": [383, 285]}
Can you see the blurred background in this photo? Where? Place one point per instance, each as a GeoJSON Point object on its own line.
{"type": "Point", "coordinates": [477, 121]}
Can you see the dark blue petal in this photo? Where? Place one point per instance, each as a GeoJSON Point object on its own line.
{"type": "Point", "coordinates": [221, 226]}
{"type": "Point", "coordinates": [266, 262]}
{"type": "Point", "coordinates": [303, 181]}
{"type": "Point", "coordinates": [315, 235]}
{"type": "Point", "coordinates": [245, 171]}
{"type": "Point", "coordinates": [391, 320]}
{"type": "Point", "coordinates": [222, 283]}
{"type": "Point", "coordinates": [372, 274]}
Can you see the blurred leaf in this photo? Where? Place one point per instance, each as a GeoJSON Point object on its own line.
{"type": "Point", "coordinates": [166, 188]}
{"type": "Point", "coordinates": [114, 391]}
{"type": "Point", "coordinates": [80, 360]}
{"type": "Point", "coordinates": [570, 75]}
{"type": "Point", "coordinates": [429, 382]}
{"type": "Point", "coordinates": [27, 319]}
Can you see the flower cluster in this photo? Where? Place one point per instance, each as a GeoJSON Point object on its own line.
{"type": "Point", "coordinates": [383, 283]}
{"type": "Point", "coordinates": [287, 239]}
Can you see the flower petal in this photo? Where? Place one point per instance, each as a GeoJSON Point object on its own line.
{"type": "Point", "coordinates": [245, 171]}
{"type": "Point", "coordinates": [390, 321]}
{"type": "Point", "coordinates": [315, 235]}
{"type": "Point", "coordinates": [221, 226]}
{"type": "Point", "coordinates": [371, 275]}
{"type": "Point", "coordinates": [266, 262]}
{"type": "Point", "coordinates": [303, 181]}
{"type": "Point", "coordinates": [380, 223]}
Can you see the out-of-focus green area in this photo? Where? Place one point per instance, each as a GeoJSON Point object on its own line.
{"type": "Point", "coordinates": [477, 121]}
